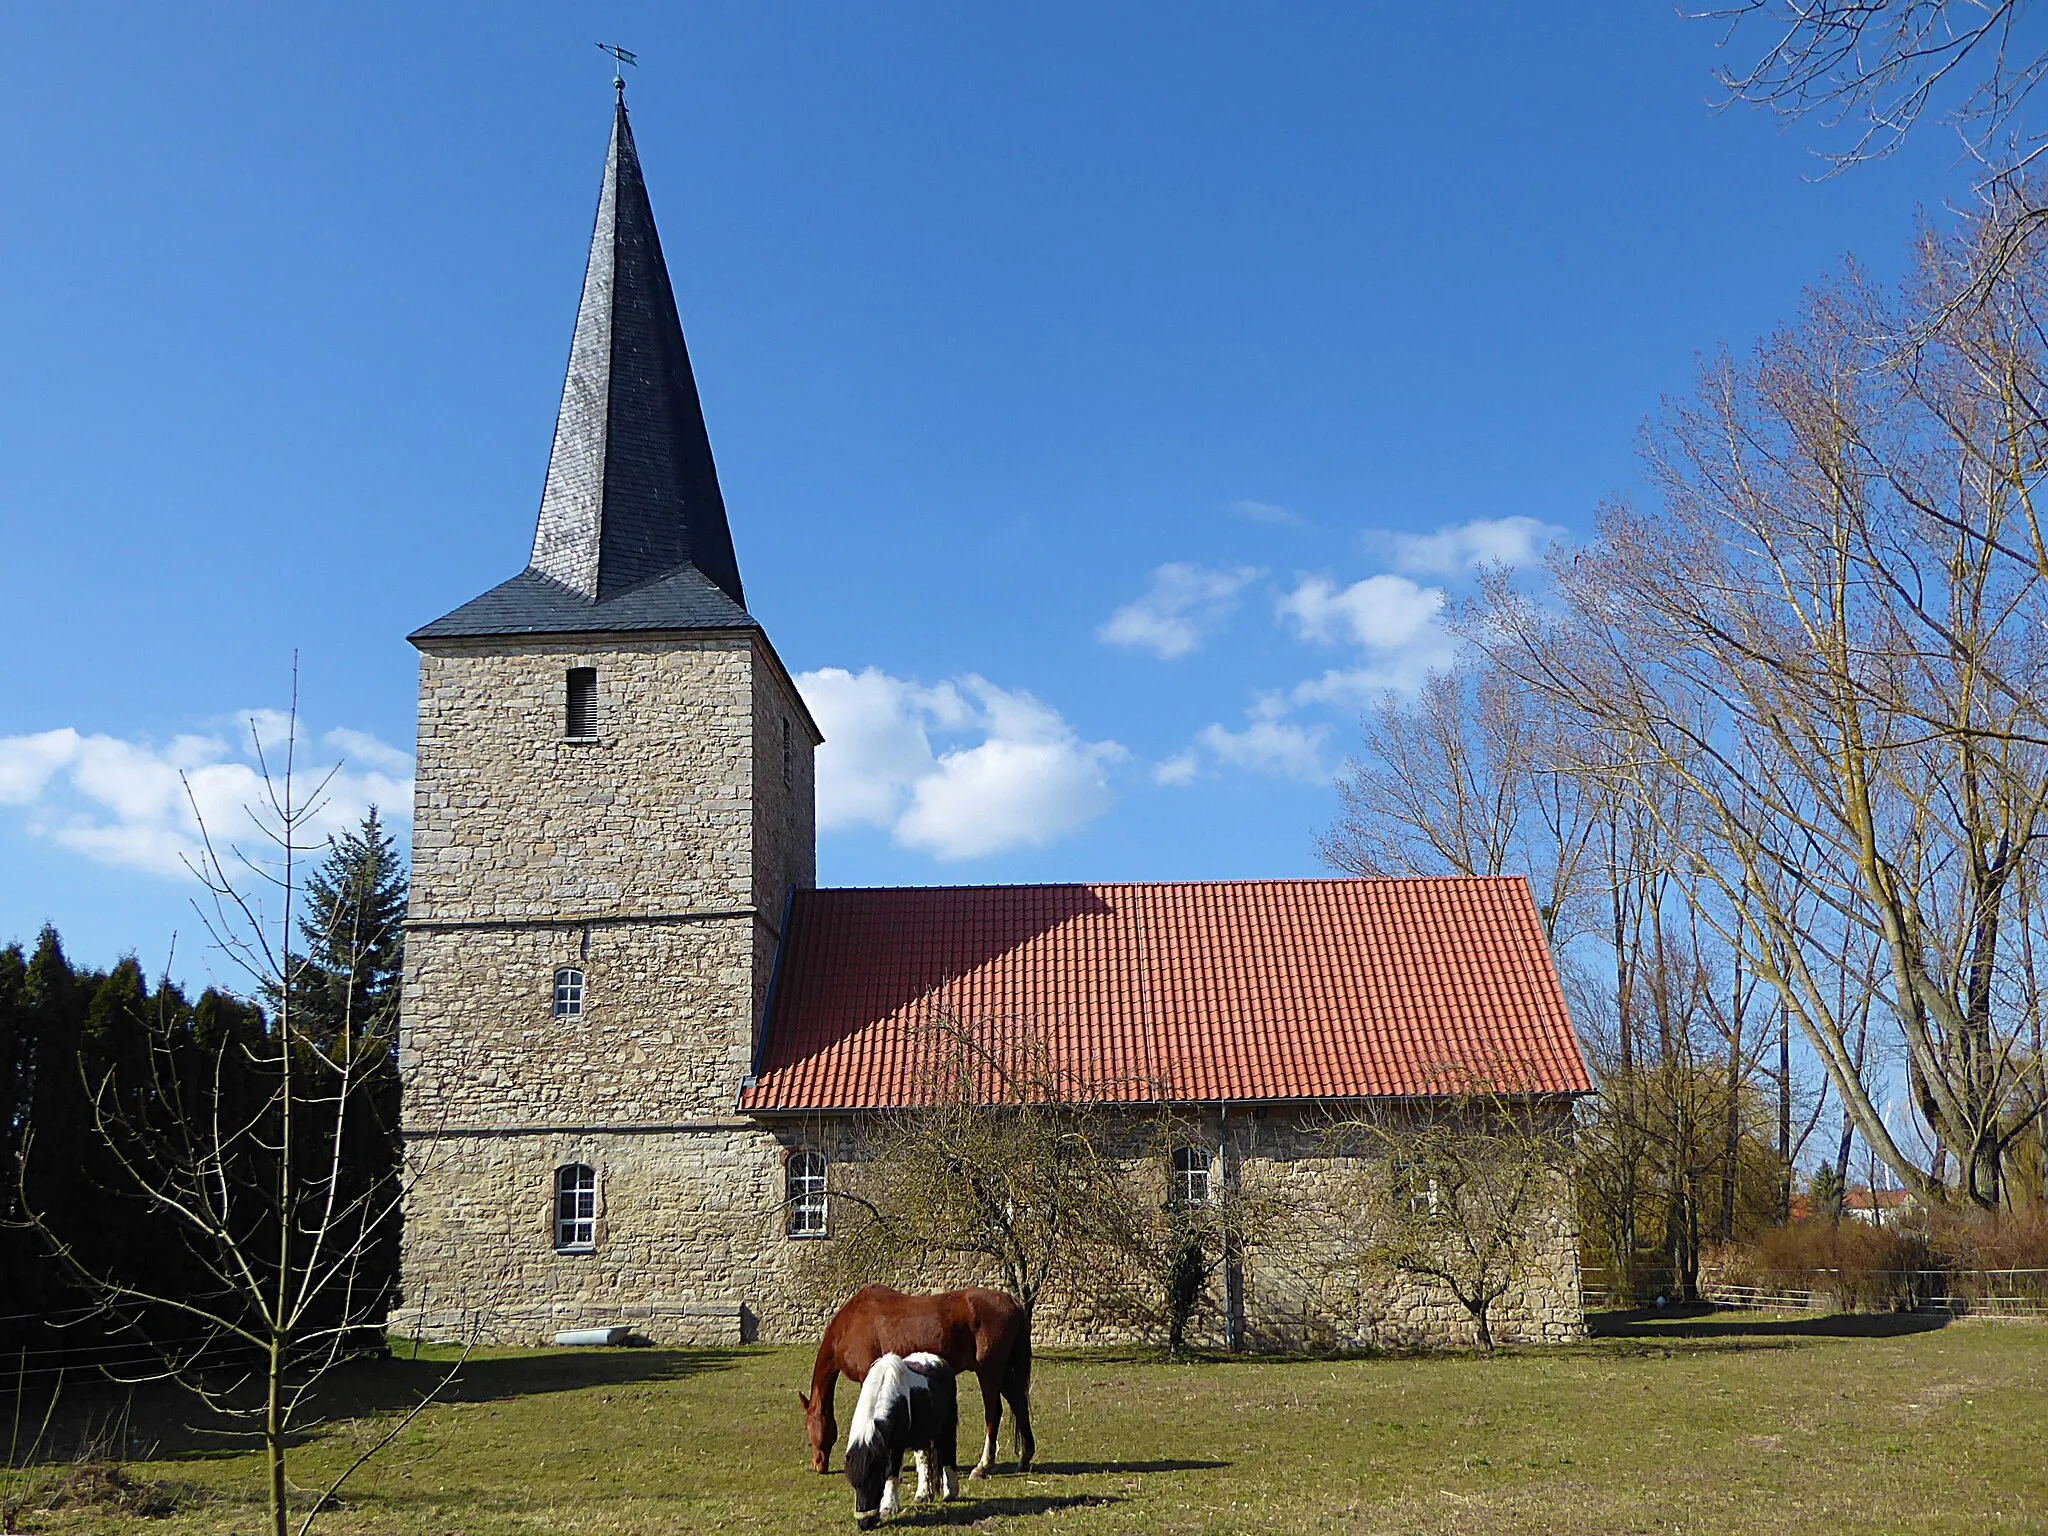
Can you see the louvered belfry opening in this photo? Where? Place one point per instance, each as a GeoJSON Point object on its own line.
{"type": "Point", "coordinates": [582, 704]}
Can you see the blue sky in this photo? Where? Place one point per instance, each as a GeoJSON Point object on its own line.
{"type": "Point", "coordinates": [1105, 396]}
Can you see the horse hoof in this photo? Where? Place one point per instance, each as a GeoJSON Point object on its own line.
{"type": "Point", "coordinates": [976, 1474]}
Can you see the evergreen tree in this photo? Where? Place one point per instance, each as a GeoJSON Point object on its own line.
{"type": "Point", "coordinates": [16, 1074]}
{"type": "Point", "coordinates": [349, 977]}
{"type": "Point", "coordinates": [345, 997]}
{"type": "Point", "coordinates": [18, 1253]}
{"type": "Point", "coordinates": [54, 1133]}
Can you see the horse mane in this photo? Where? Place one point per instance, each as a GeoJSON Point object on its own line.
{"type": "Point", "coordinates": [887, 1380]}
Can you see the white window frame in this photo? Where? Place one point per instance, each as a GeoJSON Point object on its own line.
{"type": "Point", "coordinates": [568, 992]}
{"type": "Point", "coordinates": [575, 1208]}
{"type": "Point", "coordinates": [1419, 1189]}
{"type": "Point", "coordinates": [1194, 1180]}
{"type": "Point", "coordinates": [804, 1187]}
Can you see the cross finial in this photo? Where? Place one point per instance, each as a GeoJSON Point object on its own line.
{"type": "Point", "coordinates": [621, 57]}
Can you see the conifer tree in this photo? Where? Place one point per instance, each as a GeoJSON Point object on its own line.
{"type": "Point", "coordinates": [17, 1246]}
{"type": "Point", "coordinates": [353, 932]}
{"type": "Point", "coordinates": [50, 1176]}
{"type": "Point", "coordinates": [15, 1076]}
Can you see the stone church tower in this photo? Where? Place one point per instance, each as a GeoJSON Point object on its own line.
{"type": "Point", "coordinates": [614, 804]}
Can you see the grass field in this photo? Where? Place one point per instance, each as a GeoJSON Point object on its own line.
{"type": "Point", "coordinates": [1721, 1423]}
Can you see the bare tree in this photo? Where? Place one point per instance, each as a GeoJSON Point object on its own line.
{"type": "Point", "coordinates": [1480, 776]}
{"type": "Point", "coordinates": [1471, 778]}
{"type": "Point", "coordinates": [1013, 1166]}
{"type": "Point", "coordinates": [1830, 639]}
{"type": "Point", "coordinates": [1006, 1168]}
{"type": "Point", "coordinates": [1461, 1190]}
{"type": "Point", "coordinates": [1876, 68]}
{"type": "Point", "coordinates": [249, 1145]}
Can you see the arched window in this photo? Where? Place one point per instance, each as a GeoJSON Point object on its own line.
{"type": "Point", "coordinates": [1190, 1176]}
{"type": "Point", "coordinates": [575, 1208]}
{"type": "Point", "coordinates": [568, 992]}
{"type": "Point", "coordinates": [803, 1178]}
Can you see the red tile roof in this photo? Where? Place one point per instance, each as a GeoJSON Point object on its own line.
{"type": "Point", "coordinates": [1252, 990]}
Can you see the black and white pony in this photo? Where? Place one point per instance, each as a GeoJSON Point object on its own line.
{"type": "Point", "coordinates": [906, 1404]}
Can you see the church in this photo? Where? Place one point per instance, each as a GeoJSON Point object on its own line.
{"type": "Point", "coordinates": [635, 1029]}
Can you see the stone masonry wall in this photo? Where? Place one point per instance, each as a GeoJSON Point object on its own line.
{"type": "Point", "coordinates": [665, 1033]}
{"type": "Point", "coordinates": [655, 859]}
{"type": "Point", "coordinates": [690, 1239]}
{"type": "Point", "coordinates": [654, 817]}
{"type": "Point", "coordinates": [692, 1248]}
{"type": "Point", "coordinates": [785, 838]}
{"type": "Point", "coordinates": [1303, 1293]}
{"type": "Point", "coordinates": [785, 794]}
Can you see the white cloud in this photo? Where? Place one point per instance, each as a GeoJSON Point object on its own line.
{"type": "Point", "coordinates": [362, 747]}
{"type": "Point", "coordinates": [1282, 747]}
{"type": "Point", "coordinates": [1266, 512]}
{"type": "Point", "coordinates": [1459, 547]}
{"type": "Point", "coordinates": [1394, 621]}
{"type": "Point", "coordinates": [26, 763]}
{"type": "Point", "coordinates": [1383, 613]}
{"type": "Point", "coordinates": [1029, 778]}
{"type": "Point", "coordinates": [1355, 688]}
{"type": "Point", "coordinates": [130, 804]}
{"type": "Point", "coordinates": [1393, 625]}
{"type": "Point", "coordinates": [1183, 603]}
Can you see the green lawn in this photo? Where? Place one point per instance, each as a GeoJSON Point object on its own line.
{"type": "Point", "coordinates": [1723, 1423]}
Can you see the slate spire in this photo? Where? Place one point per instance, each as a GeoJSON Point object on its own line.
{"type": "Point", "coordinates": [632, 493]}
{"type": "Point", "coordinates": [632, 532]}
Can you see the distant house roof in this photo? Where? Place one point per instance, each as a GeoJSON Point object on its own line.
{"type": "Point", "coordinates": [1263, 990]}
{"type": "Point", "coordinates": [1860, 1199]}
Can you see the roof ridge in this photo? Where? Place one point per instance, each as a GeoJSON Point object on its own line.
{"type": "Point", "coordinates": [1148, 885]}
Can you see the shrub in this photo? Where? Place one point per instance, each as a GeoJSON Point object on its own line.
{"type": "Point", "coordinates": [1865, 1268]}
{"type": "Point", "coordinates": [1973, 1241]}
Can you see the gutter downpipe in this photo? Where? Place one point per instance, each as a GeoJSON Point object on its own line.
{"type": "Point", "coordinates": [1233, 1271]}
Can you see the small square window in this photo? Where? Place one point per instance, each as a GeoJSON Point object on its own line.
{"type": "Point", "coordinates": [1190, 1176]}
{"type": "Point", "coordinates": [580, 714]}
{"type": "Point", "coordinates": [804, 1186]}
{"type": "Point", "coordinates": [1417, 1187]}
{"type": "Point", "coordinates": [568, 992]}
{"type": "Point", "coordinates": [576, 1208]}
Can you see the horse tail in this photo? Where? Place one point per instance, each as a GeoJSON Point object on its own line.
{"type": "Point", "coordinates": [1017, 1388]}
{"type": "Point", "coordinates": [1017, 1377]}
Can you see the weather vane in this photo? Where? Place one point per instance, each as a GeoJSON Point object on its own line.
{"type": "Point", "coordinates": [621, 57]}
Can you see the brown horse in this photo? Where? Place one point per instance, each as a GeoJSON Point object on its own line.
{"type": "Point", "coordinates": [983, 1331]}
